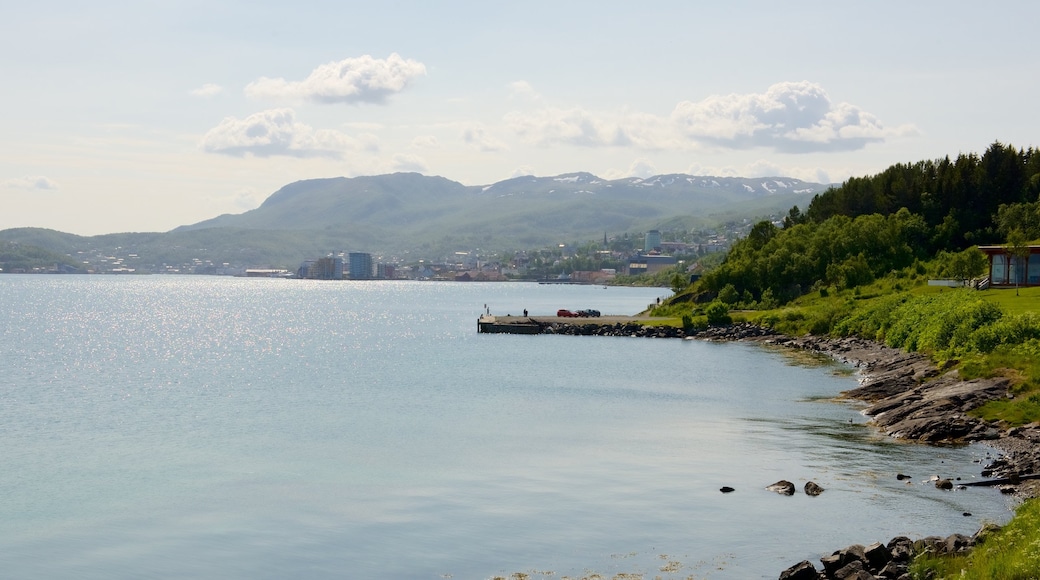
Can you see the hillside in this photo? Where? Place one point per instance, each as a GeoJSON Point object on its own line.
{"type": "Point", "coordinates": [415, 216]}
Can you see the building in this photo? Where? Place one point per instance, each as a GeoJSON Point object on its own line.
{"type": "Point", "coordinates": [650, 264]}
{"type": "Point", "coordinates": [1006, 270]}
{"type": "Point", "coordinates": [360, 266]}
{"type": "Point", "coordinates": [652, 241]}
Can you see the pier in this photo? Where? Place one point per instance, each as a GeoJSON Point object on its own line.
{"type": "Point", "coordinates": [538, 324]}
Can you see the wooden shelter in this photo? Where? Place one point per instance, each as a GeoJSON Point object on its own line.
{"type": "Point", "coordinates": [1007, 271]}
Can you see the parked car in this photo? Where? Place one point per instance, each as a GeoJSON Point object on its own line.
{"type": "Point", "coordinates": [564, 313]}
{"type": "Point", "coordinates": [589, 312]}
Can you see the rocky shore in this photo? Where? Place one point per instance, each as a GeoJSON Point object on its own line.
{"type": "Point", "coordinates": [909, 398]}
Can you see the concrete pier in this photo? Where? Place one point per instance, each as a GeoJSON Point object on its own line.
{"type": "Point", "coordinates": [538, 324]}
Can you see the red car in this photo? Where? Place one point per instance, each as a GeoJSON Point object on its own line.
{"type": "Point", "coordinates": [564, 313]}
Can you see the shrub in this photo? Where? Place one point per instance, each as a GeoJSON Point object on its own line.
{"type": "Point", "coordinates": [717, 313]}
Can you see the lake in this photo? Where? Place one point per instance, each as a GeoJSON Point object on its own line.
{"type": "Point", "coordinates": [208, 427]}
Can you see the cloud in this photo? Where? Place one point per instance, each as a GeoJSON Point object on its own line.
{"type": "Point", "coordinates": [790, 117]}
{"type": "Point", "coordinates": [523, 89]}
{"type": "Point", "coordinates": [642, 168]}
{"type": "Point", "coordinates": [522, 171]}
{"type": "Point", "coordinates": [402, 162]}
{"type": "Point", "coordinates": [33, 183]}
{"type": "Point", "coordinates": [478, 136]}
{"type": "Point", "coordinates": [577, 126]}
{"type": "Point", "coordinates": [426, 142]}
{"type": "Point", "coordinates": [207, 90]}
{"type": "Point", "coordinates": [574, 126]}
{"type": "Point", "coordinates": [274, 132]}
{"type": "Point", "coordinates": [353, 80]}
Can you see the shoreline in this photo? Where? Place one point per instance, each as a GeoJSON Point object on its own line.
{"type": "Point", "coordinates": [908, 396]}
{"type": "Point", "coordinates": [912, 399]}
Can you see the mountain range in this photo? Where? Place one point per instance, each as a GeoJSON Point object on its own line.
{"type": "Point", "coordinates": [409, 215]}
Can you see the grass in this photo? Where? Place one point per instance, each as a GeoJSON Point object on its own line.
{"type": "Point", "coordinates": [1011, 553]}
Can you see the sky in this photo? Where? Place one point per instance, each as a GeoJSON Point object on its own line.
{"type": "Point", "coordinates": [144, 115]}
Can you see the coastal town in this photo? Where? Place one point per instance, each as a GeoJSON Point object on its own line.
{"type": "Point", "coordinates": [598, 262]}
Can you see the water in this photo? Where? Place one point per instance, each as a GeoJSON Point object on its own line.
{"type": "Point", "coordinates": [172, 427]}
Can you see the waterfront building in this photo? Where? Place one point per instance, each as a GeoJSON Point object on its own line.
{"type": "Point", "coordinates": [360, 265]}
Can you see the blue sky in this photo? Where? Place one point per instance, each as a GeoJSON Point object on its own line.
{"type": "Point", "coordinates": [143, 115]}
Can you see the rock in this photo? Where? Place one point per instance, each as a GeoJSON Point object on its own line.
{"type": "Point", "coordinates": [901, 549]}
{"type": "Point", "coordinates": [877, 556]}
{"type": "Point", "coordinates": [893, 570]}
{"type": "Point", "coordinates": [853, 571]}
{"type": "Point", "coordinates": [956, 543]}
{"type": "Point", "coordinates": [944, 484]}
{"type": "Point", "coordinates": [901, 477]}
{"type": "Point", "coordinates": [783, 487]}
{"type": "Point", "coordinates": [726, 489]}
{"type": "Point", "coordinates": [930, 545]}
{"type": "Point", "coordinates": [842, 558]}
{"type": "Point", "coordinates": [811, 488]}
{"type": "Point", "coordinates": [987, 530]}
{"type": "Point", "coordinates": [803, 570]}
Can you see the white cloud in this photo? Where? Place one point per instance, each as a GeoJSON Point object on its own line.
{"type": "Point", "coordinates": [642, 168]}
{"type": "Point", "coordinates": [569, 126]}
{"type": "Point", "coordinates": [522, 171]}
{"type": "Point", "coordinates": [207, 90]}
{"type": "Point", "coordinates": [478, 136]}
{"type": "Point", "coordinates": [577, 126]}
{"type": "Point", "coordinates": [274, 132]}
{"type": "Point", "coordinates": [35, 183]}
{"type": "Point", "coordinates": [792, 117]}
{"type": "Point", "coordinates": [523, 89]}
{"type": "Point", "coordinates": [368, 142]}
{"type": "Point", "coordinates": [246, 199]}
{"type": "Point", "coordinates": [425, 142]}
{"type": "Point", "coordinates": [402, 162]}
{"type": "Point", "coordinates": [353, 80]}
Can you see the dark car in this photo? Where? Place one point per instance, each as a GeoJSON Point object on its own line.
{"type": "Point", "coordinates": [589, 313]}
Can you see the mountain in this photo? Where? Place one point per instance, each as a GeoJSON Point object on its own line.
{"type": "Point", "coordinates": [428, 217]}
{"type": "Point", "coordinates": [405, 210]}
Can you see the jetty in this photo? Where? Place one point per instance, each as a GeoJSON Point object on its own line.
{"type": "Point", "coordinates": [550, 324]}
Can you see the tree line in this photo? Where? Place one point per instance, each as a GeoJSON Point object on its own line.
{"type": "Point", "coordinates": [869, 226]}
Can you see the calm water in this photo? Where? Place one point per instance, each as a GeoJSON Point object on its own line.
{"type": "Point", "coordinates": [175, 427]}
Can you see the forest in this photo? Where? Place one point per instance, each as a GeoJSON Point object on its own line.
{"type": "Point", "coordinates": [869, 226]}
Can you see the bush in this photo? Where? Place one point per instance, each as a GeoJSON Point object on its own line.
{"type": "Point", "coordinates": [717, 313]}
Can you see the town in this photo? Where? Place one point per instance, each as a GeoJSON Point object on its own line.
{"type": "Point", "coordinates": [612, 259]}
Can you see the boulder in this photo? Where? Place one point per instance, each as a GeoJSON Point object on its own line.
{"type": "Point", "coordinates": [956, 543]}
{"type": "Point", "coordinates": [803, 570]}
{"type": "Point", "coordinates": [877, 556]}
{"type": "Point", "coordinates": [726, 489]}
{"type": "Point", "coordinates": [854, 570]}
{"type": "Point", "coordinates": [813, 489]}
{"type": "Point", "coordinates": [842, 558]}
{"type": "Point", "coordinates": [783, 487]}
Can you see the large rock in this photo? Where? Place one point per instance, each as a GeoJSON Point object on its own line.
{"type": "Point", "coordinates": [803, 570]}
{"type": "Point", "coordinates": [877, 556]}
{"type": "Point", "coordinates": [783, 487]}
{"type": "Point", "coordinates": [935, 411]}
